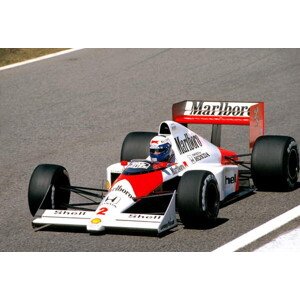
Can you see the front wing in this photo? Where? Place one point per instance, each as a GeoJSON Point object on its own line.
{"type": "Point", "coordinates": [132, 220]}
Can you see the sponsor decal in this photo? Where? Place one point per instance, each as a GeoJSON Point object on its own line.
{"type": "Point", "coordinates": [176, 169]}
{"type": "Point", "coordinates": [69, 213]}
{"type": "Point", "coordinates": [112, 200]}
{"type": "Point", "coordinates": [188, 143]}
{"type": "Point", "coordinates": [192, 159]}
{"type": "Point", "coordinates": [96, 221]}
{"type": "Point", "coordinates": [195, 157]}
{"type": "Point", "coordinates": [154, 142]}
{"type": "Point", "coordinates": [139, 165]}
{"type": "Point", "coordinates": [167, 225]}
{"type": "Point", "coordinates": [230, 180]}
{"type": "Point", "coordinates": [200, 108]}
{"type": "Point", "coordinates": [144, 217]}
{"type": "Point", "coordinates": [173, 170]}
{"type": "Point", "coordinates": [122, 190]}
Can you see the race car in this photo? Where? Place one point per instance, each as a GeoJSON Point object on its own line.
{"type": "Point", "coordinates": [170, 176]}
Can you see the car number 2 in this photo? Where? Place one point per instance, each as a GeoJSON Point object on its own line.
{"type": "Point", "coordinates": [102, 211]}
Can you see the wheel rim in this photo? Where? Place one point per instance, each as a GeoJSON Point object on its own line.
{"type": "Point", "coordinates": [212, 196]}
{"type": "Point", "coordinates": [293, 164]}
{"type": "Point", "coordinates": [60, 197]}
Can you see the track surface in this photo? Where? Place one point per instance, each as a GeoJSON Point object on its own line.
{"type": "Point", "coordinates": [75, 110]}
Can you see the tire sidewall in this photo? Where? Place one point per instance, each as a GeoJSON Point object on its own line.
{"type": "Point", "coordinates": [275, 163]}
{"type": "Point", "coordinates": [194, 202]}
{"type": "Point", "coordinates": [41, 180]}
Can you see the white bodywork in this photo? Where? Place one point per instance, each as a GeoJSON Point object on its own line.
{"type": "Point", "coordinates": [204, 156]}
{"type": "Point", "coordinates": [192, 152]}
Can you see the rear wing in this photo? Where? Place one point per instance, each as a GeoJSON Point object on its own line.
{"type": "Point", "coordinates": [220, 113]}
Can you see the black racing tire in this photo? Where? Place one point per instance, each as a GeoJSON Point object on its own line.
{"type": "Point", "coordinates": [198, 198]}
{"type": "Point", "coordinates": [136, 145]}
{"type": "Point", "coordinates": [275, 163]}
{"type": "Point", "coordinates": [41, 179]}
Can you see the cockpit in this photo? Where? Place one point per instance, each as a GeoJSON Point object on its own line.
{"type": "Point", "coordinates": [136, 166]}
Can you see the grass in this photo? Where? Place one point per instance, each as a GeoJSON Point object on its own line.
{"type": "Point", "coordinates": [13, 55]}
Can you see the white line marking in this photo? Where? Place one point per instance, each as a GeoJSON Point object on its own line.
{"type": "Point", "coordinates": [38, 58]}
{"type": "Point", "coordinates": [260, 231]}
{"type": "Point", "coordinates": [289, 241]}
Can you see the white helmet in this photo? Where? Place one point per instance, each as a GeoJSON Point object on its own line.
{"type": "Point", "coordinates": [160, 149]}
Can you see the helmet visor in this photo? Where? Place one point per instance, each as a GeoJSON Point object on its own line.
{"type": "Point", "coordinates": [157, 150]}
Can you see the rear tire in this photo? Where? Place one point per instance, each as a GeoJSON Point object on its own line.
{"type": "Point", "coordinates": [136, 145]}
{"type": "Point", "coordinates": [198, 198]}
{"type": "Point", "coordinates": [41, 179]}
{"type": "Point", "coordinates": [275, 163]}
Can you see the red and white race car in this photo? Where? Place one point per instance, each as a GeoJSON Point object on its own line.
{"type": "Point", "coordinates": [152, 195]}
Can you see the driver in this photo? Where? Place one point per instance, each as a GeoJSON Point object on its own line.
{"type": "Point", "coordinates": [161, 149]}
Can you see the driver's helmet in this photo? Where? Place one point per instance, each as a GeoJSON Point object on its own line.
{"type": "Point", "coordinates": [160, 149]}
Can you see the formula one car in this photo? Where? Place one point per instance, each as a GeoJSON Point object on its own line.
{"type": "Point", "coordinates": [144, 192]}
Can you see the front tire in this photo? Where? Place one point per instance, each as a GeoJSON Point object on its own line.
{"type": "Point", "coordinates": [43, 177]}
{"type": "Point", "coordinates": [275, 163]}
{"type": "Point", "coordinates": [198, 198]}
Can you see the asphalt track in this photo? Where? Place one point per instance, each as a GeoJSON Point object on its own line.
{"type": "Point", "coordinates": [75, 110]}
